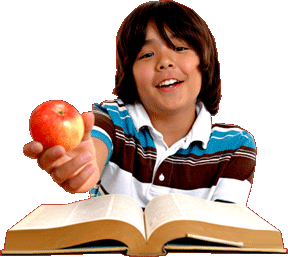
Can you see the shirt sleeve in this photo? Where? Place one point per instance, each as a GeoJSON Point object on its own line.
{"type": "Point", "coordinates": [103, 128]}
{"type": "Point", "coordinates": [234, 185]}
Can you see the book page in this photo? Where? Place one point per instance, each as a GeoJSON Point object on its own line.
{"type": "Point", "coordinates": [160, 210]}
{"type": "Point", "coordinates": [166, 208]}
{"type": "Point", "coordinates": [117, 207]}
{"type": "Point", "coordinates": [225, 214]}
{"type": "Point", "coordinates": [128, 210]}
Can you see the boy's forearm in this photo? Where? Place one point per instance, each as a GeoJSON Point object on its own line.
{"type": "Point", "coordinates": [101, 154]}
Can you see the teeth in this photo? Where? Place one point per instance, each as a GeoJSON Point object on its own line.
{"type": "Point", "coordinates": [168, 82]}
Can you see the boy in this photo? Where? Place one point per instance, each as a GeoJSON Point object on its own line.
{"type": "Point", "coordinates": [157, 137]}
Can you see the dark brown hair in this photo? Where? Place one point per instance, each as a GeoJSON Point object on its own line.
{"type": "Point", "coordinates": [184, 23]}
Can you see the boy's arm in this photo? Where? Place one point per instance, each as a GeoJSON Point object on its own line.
{"type": "Point", "coordinates": [235, 182]}
{"type": "Point", "coordinates": [101, 154]}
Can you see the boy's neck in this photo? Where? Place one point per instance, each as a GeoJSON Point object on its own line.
{"type": "Point", "coordinates": [173, 127]}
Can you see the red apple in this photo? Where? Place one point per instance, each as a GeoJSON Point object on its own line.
{"type": "Point", "coordinates": [56, 122]}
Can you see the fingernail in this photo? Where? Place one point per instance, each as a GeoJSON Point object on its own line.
{"type": "Point", "coordinates": [35, 148]}
{"type": "Point", "coordinates": [89, 169]}
{"type": "Point", "coordinates": [56, 152]}
{"type": "Point", "coordinates": [85, 157]}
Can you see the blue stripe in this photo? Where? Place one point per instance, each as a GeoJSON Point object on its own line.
{"type": "Point", "coordinates": [221, 141]}
{"type": "Point", "coordinates": [250, 142]}
{"type": "Point", "coordinates": [94, 192]}
{"type": "Point", "coordinates": [231, 139]}
{"type": "Point", "coordinates": [100, 107]}
{"type": "Point", "coordinates": [122, 119]}
{"type": "Point", "coordinates": [145, 138]}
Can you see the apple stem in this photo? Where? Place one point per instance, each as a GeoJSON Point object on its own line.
{"type": "Point", "coordinates": [61, 112]}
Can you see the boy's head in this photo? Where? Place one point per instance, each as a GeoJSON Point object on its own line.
{"type": "Point", "coordinates": [186, 25]}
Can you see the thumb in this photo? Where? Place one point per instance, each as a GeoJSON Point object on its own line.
{"type": "Point", "coordinates": [88, 118]}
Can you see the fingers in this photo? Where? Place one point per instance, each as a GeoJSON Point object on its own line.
{"type": "Point", "coordinates": [66, 170]}
{"type": "Point", "coordinates": [79, 181]}
{"type": "Point", "coordinates": [70, 173]}
{"type": "Point", "coordinates": [51, 157]}
{"type": "Point", "coordinates": [73, 175]}
{"type": "Point", "coordinates": [33, 149]}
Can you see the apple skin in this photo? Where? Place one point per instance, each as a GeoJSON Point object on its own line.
{"type": "Point", "coordinates": [56, 122]}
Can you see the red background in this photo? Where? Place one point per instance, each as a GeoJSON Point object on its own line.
{"type": "Point", "coordinates": [66, 50]}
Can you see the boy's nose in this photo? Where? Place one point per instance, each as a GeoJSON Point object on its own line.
{"type": "Point", "coordinates": [163, 67]}
{"type": "Point", "coordinates": [165, 62]}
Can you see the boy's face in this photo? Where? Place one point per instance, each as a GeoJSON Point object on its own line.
{"type": "Point", "coordinates": [168, 80]}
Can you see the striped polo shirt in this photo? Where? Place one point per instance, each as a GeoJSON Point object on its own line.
{"type": "Point", "coordinates": [213, 162]}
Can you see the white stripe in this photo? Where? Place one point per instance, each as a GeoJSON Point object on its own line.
{"type": "Point", "coordinates": [116, 111]}
{"type": "Point", "coordinates": [213, 159]}
{"type": "Point", "coordinates": [224, 136]}
{"type": "Point", "coordinates": [203, 158]}
{"type": "Point", "coordinates": [120, 135]}
{"type": "Point", "coordinates": [188, 160]}
{"type": "Point", "coordinates": [118, 181]}
{"type": "Point", "coordinates": [115, 104]}
{"type": "Point", "coordinates": [147, 155]}
{"type": "Point", "coordinates": [246, 152]}
{"type": "Point", "coordinates": [249, 156]}
{"type": "Point", "coordinates": [225, 130]}
{"type": "Point", "coordinates": [127, 140]}
{"type": "Point", "coordinates": [140, 150]}
{"type": "Point", "coordinates": [206, 160]}
{"type": "Point", "coordinates": [196, 163]}
{"type": "Point", "coordinates": [233, 190]}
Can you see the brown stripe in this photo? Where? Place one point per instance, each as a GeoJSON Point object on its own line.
{"type": "Point", "coordinates": [222, 125]}
{"type": "Point", "coordinates": [103, 189]}
{"type": "Point", "coordinates": [130, 156]}
{"type": "Point", "coordinates": [104, 121]}
{"type": "Point", "coordinates": [241, 165]}
{"type": "Point", "coordinates": [184, 176]}
{"type": "Point", "coordinates": [202, 172]}
{"type": "Point", "coordinates": [188, 173]}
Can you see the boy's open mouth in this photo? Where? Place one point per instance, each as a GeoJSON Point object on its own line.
{"type": "Point", "coordinates": [169, 83]}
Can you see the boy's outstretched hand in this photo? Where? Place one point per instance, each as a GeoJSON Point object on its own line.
{"type": "Point", "coordinates": [76, 171]}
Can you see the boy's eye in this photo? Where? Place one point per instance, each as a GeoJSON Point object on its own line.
{"type": "Point", "coordinates": [146, 55]}
{"type": "Point", "coordinates": [181, 48]}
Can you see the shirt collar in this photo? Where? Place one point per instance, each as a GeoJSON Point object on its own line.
{"type": "Point", "coordinates": [200, 131]}
{"type": "Point", "coordinates": [139, 116]}
{"type": "Point", "coordinates": [201, 128]}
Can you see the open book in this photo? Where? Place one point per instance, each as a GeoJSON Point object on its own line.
{"type": "Point", "coordinates": [171, 222]}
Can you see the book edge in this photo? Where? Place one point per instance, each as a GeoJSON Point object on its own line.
{"type": "Point", "coordinates": [223, 249]}
{"type": "Point", "coordinates": [67, 251]}
{"type": "Point", "coordinates": [166, 249]}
